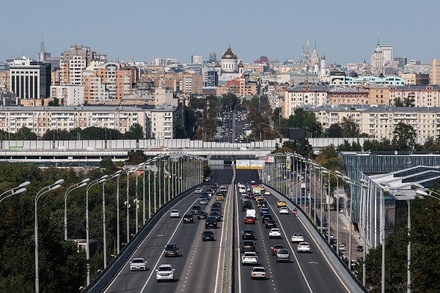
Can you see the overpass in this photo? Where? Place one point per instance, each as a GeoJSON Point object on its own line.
{"type": "Point", "coordinates": [91, 152]}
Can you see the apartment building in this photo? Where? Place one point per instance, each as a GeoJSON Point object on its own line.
{"type": "Point", "coordinates": [158, 123]}
{"type": "Point", "coordinates": [72, 64]}
{"type": "Point", "coordinates": [415, 78]}
{"type": "Point", "coordinates": [327, 115]}
{"type": "Point", "coordinates": [299, 96]}
{"type": "Point", "coordinates": [348, 96]}
{"type": "Point", "coordinates": [378, 94]}
{"type": "Point", "coordinates": [434, 72]}
{"type": "Point", "coordinates": [423, 96]}
{"type": "Point", "coordinates": [68, 95]}
{"type": "Point", "coordinates": [185, 83]}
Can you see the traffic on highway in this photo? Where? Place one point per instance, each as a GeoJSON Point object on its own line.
{"type": "Point", "coordinates": [208, 243]}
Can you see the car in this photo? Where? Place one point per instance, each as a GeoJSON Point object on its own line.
{"type": "Point", "coordinates": [360, 248]}
{"type": "Point", "coordinates": [171, 249]}
{"type": "Point", "coordinates": [249, 258]}
{"type": "Point", "coordinates": [248, 234]}
{"type": "Point", "coordinates": [281, 203]}
{"type": "Point", "coordinates": [274, 233]}
{"type": "Point", "coordinates": [202, 215]}
{"type": "Point", "coordinates": [138, 264]}
{"type": "Point", "coordinates": [342, 247]}
{"type": "Point", "coordinates": [283, 255]}
{"type": "Point", "coordinates": [297, 237]}
{"type": "Point", "coordinates": [258, 273]}
{"type": "Point", "coordinates": [275, 248]}
{"type": "Point", "coordinates": [264, 211]}
{"type": "Point", "coordinates": [208, 235]}
{"type": "Point", "coordinates": [247, 246]}
{"type": "Point", "coordinates": [203, 201]}
{"type": "Point", "coordinates": [284, 211]}
{"type": "Point", "coordinates": [249, 220]}
{"type": "Point", "coordinates": [217, 215]}
{"type": "Point", "coordinates": [195, 209]}
{"type": "Point", "coordinates": [188, 218]}
{"type": "Point", "coordinates": [220, 196]}
{"type": "Point", "coordinates": [266, 217]}
{"type": "Point", "coordinates": [165, 272]}
{"type": "Point", "coordinates": [267, 193]}
{"type": "Point", "coordinates": [210, 222]}
{"type": "Point", "coordinates": [174, 214]}
{"type": "Point", "coordinates": [271, 224]}
{"type": "Point", "coordinates": [199, 190]}
{"type": "Point", "coordinates": [303, 247]}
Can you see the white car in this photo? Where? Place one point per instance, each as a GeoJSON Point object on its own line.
{"type": "Point", "coordinates": [258, 273]}
{"type": "Point", "coordinates": [303, 247]}
{"type": "Point", "coordinates": [284, 211]}
{"type": "Point", "coordinates": [249, 258]}
{"type": "Point", "coordinates": [174, 214]}
{"type": "Point", "coordinates": [297, 237]}
{"type": "Point", "coordinates": [138, 264]}
{"type": "Point", "coordinates": [165, 272]}
{"type": "Point", "coordinates": [199, 190]}
{"type": "Point", "coordinates": [274, 233]}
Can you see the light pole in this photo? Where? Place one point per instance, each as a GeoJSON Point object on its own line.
{"type": "Point", "coordinates": [92, 183]}
{"type": "Point", "coordinates": [66, 194]}
{"type": "Point", "coordinates": [127, 204]}
{"type": "Point", "coordinates": [104, 232]}
{"type": "Point", "coordinates": [42, 191]}
{"type": "Point", "coordinates": [13, 191]}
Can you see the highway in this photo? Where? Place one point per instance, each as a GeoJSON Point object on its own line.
{"type": "Point", "coordinates": [200, 266]}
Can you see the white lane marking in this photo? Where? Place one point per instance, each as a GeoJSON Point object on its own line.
{"type": "Point", "coordinates": [239, 240]}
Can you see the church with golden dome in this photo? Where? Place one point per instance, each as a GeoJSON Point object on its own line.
{"type": "Point", "coordinates": [229, 67]}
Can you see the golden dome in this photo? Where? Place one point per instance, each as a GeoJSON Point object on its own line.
{"type": "Point", "coordinates": [229, 54]}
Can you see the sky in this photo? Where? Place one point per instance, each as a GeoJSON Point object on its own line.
{"type": "Point", "coordinates": [344, 31]}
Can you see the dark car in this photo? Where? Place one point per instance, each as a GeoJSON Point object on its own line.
{"type": "Point", "coordinates": [216, 210]}
{"type": "Point", "coordinates": [171, 249]}
{"type": "Point", "coordinates": [247, 246]}
{"type": "Point", "coordinates": [264, 211]}
{"type": "Point", "coordinates": [188, 218]}
{"type": "Point", "coordinates": [217, 215]}
{"type": "Point", "coordinates": [360, 248]}
{"type": "Point", "coordinates": [217, 204]}
{"type": "Point", "coordinates": [202, 215]}
{"type": "Point", "coordinates": [266, 217]}
{"type": "Point", "coordinates": [210, 222]}
{"type": "Point", "coordinates": [246, 205]}
{"type": "Point", "coordinates": [208, 235]}
{"type": "Point", "coordinates": [195, 209]}
{"type": "Point", "coordinates": [271, 224]}
{"type": "Point", "coordinates": [248, 234]}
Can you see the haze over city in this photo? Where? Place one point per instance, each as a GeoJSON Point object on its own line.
{"type": "Point", "coordinates": [343, 30]}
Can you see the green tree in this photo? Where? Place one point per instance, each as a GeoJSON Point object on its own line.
{"type": "Point", "coordinates": [54, 103]}
{"type": "Point", "coordinates": [404, 136]}
{"type": "Point", "coordinates": [349, 127]}
{"type": "Point", "coordinates": [25, 133]}
{"type": "Point", "coordinates": [334, 130]}
{"type": "Point", "coordinates": [306, 120]}
{"type": "Point", "coordinates": [135, 132]}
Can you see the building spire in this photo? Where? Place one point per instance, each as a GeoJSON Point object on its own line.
{"type": "Point", "coordinates": [42, 54]}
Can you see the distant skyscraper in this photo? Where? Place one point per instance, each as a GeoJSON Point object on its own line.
{"type": "Point", "coordinates": [305, 58]}
{"type": "Point", "coordinates": [434, 74]}
{"type": "Point", "coordinates": [382, 56]}
{"type": "Point", "coordinates": [197, 59]}
{"type": "Point", "coordinates": [30, 79]}
{"type": "Point", "coordinates": [73, 63]}
{"type": "Point", "coordinates": [212, 57]}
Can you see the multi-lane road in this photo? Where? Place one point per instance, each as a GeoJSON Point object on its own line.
{"type": "Point", "coordinates": [204, 265]}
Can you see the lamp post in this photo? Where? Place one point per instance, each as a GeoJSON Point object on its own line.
{"type": "Point", "coordinates": [66, 194]}
{"type": "Point", "coordinates": [92, 183]}
{"type": "Point", "coordinates": [104, 228]}
{"type": "Point", "coordinates": [42, 191]}
{"type": "Point", "coordinates": [13, 191]}
{"type": "Point", "coordinates": [127, 204]}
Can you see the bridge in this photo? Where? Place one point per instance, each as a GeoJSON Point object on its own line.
{"type": "Point", "coordinates": [91, 152]}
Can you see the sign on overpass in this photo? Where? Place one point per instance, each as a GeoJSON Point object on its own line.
{"type": "Point", "coordinates": [249, 164]}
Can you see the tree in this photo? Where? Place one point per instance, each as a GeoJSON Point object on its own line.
{"type": "Point", "coordinates": [135, 132]}
{"type": "Point", "coordinates": [54, 103]}
{"type": "Point", "coordinates": [306, 120]}
{"type": "Point", "coordinates": [25, 133]}
{"type": "Point", "coordinates": [334, 130]}
{"type": "Point", "coordinates": [349, 127]}
{"type": "Point", "coordinates": [404, 136]}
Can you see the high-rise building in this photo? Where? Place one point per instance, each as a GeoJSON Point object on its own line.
{"type": "Point", "coordinates": [30, 79]}
{"type": "Point", "coordinates": [212, 57]}
{"type": "Point", "coordinates": [197, 59]}
{"type": "Point", "coordinates": [73, 63]}
{"type": "Point", "coordinates": [434, 74]}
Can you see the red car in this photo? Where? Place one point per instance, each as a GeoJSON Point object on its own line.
{"type": "Point", "coordinates": [275, 248]}
{"type": "Point", "coordinates": [249, 220]}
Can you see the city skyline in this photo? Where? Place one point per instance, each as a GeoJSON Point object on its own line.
{"type": "Point", "coordinates": [343, 31]}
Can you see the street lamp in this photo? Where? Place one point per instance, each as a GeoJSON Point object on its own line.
{"type": "Point", "coordinates": [104, 232]}
{"type": "Point", "coordinates": [42, 191]}
{"type": "Point", "coordinates": [127, 203]}
{"type": "Point", "coordinates": [92, 183]}
{"type": "Point", "coordinates": [66, 194]}
{"type": "Point", "coordinates": [13, 191]}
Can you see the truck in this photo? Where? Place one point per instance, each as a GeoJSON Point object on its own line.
{"type": "Point", "coordinates": [251, 213]}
